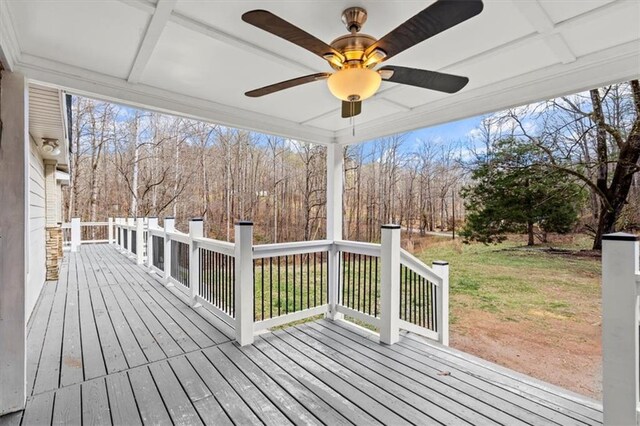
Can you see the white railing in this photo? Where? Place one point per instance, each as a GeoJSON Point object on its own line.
{"type": "Point", "coordinates": [76, 232]}
{"type": "Point", "coordinates": [256, 287]}
{"type": "Point", "coordinates": [620, 328]}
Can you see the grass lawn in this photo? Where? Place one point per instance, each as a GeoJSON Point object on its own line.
{"type": "Point", "coordinates": [529, 309]}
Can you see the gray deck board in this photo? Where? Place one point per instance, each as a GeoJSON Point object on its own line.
{"type": "Point", "coordinates": [92, 360]}
{"type": "Point", "coordinates": [233, 405]}
{"type": "Point", "coordinates": [291, 408]}
{"type": "Point", "coordinates": [39, 409]}
{"type": "Point", "coordinates": [253, 397]}
{"type": "Point", "coordinates": [71, 368]}
{"type": "Point", "coordinates": [67, 407]}
{"type": "Point", "coordinates": [48, 374]}
{"type": "Point", "coordinates": [37, 331]}
{"type": "Point", "coordinates": [176, 400]}
{"type": "Point", "coordinates": [150, 404]}
{"type": "Point", "coordinates": [95, 403]}
{"type": "Point", "coordinates": [121, 400]}
{"type": "Point", "coordinates": [395, 399]}
{"type": "Point", "coordinates": [200, 395]}
{"type": "Point", "coordinates": [110, 344]}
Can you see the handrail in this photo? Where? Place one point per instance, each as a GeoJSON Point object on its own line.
{"type": "Point", "coordinates": [284, 249]}
{"type": "Point", "coordinates": [178, 236]}
{"type": "Point", "coordinates": [357, 247]}
{"type": "Point", "coordinates": [158, 232]}
{"type": "Point", "coordinates": [218, 246]}
{"type": "Point", "coordinates": [417, 266]}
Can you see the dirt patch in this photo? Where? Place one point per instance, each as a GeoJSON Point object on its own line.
{"type": "Point", "coordinates": [555, 349]}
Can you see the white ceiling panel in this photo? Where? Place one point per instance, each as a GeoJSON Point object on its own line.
{"type": "Point", "coordinates": [185, 61]}
{"type": "Point", "coordinates": [96, 35]}
{"type": "Point", "coordinates": [560, 11]}
{"type": "Point", "coordinates": [625, 18]}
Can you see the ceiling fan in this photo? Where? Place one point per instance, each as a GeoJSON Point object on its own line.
{"type": "Point", "coordinates": [355, 56]}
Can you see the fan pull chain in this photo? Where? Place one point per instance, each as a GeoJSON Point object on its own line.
{"type": "Point", "coordinates": [352, 107]}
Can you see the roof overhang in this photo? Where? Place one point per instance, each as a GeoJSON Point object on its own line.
{"type": "Point", "coordinates": [198, 58]}
{"type": "Point", "coordinates": [48, 120]}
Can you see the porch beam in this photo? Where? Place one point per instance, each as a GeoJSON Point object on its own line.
{"type": "Point", "coordinates": [158, 21]}
{"type": "Point", "coordinates": [14, 163]}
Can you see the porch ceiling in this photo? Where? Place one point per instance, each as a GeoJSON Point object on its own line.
{"type": "Point", "coordinates": [197, 58]}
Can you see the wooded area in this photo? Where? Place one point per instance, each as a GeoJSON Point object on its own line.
{"type": "Point", "coordinates": [128, 162]}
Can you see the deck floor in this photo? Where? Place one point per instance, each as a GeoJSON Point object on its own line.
{"type": "Point", "coordinates": [108, 344]}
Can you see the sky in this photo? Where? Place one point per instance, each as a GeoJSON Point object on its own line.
{"type": "Point", "coordinates": [457, 130]}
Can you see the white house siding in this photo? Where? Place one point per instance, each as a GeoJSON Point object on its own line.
{"type": "Point", "coordinates": [37, 256]}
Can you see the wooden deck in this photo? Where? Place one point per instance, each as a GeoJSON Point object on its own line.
{"type": "Point", "coordinates": [108, 344]}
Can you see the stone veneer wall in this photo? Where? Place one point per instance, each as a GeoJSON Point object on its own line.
{"type": "Point", "coordinates": [54, 251]}
{"type": "Point", "coordinates": [53, 228]}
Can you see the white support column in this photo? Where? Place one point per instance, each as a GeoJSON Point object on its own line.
{"type": "Point", "coordinates": [153, 224]}
{"type": "Point", "coordinates": [620, 279]}
{"type": "Point", "coordinates": [441, 268]}
{"type": "Point", "coordinates": [335, 170]}
{"type": "Point", "coordinates": [390, 284]}
{"type": "Point", "coordinates": [196, 230]}
{"type": "Point", "coordinates": [110, 230]}
{"type": "Point", "coordinates": [14, 254]}
{"type": "Point", "coordinates": [244, 282]}
{"type": "Point", "coordinates": [75, 234]}
{"type": "Point", "coordinates": [140, 241]}
{"type": "Point", "coordinates": [169, 226]}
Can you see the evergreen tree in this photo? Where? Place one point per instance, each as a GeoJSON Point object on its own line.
{"type": "Point", "coordinates": [511, 192]}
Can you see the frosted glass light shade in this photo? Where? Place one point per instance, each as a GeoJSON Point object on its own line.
{"type": "Point", "coordinates": [352, 82]}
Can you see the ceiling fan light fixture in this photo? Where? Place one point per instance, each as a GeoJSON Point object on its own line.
{"type": "Point", "coordinates": [374, 57]}
{"type": "Point", "coordinates": [351, 84]}
{"type": "Point", "coordinates": [334, 60]}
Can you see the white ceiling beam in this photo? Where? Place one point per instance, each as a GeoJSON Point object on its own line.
{"type": "Point", "coordinates": [156, 25]}
{"type": "Point", "coordinates": [533, 12]}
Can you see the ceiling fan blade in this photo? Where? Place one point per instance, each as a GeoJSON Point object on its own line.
{"type": "Point", "coordinates": [433, 80]}
{"type": "Point", "coordinates": [440, 16]}
{"type": "Point", "coordinates": [273, 24]}
{"type": "Point", "coordinates": [351, 109]}
{"type": "Point", "coordinates": [266, 90]}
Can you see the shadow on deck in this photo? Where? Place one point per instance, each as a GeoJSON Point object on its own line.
{"type": "Point", "coordinates": [109, 343]}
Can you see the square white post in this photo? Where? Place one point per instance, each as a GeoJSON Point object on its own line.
{"type": "Point", "coordinates": [169, 226]}
{"type": "Point", "coordinates": [620, 329]}
{"type": "Point", "coordinates": [441, 268]}
{"type": "Point", "coordinates": [390, 284]}
{"type": "Point", "coordinates": [14, 237]}
{"type": "Point", "coordinates": [335, 170]}
{"type": "Point", "coordinates": [196, 230]}
{"type": "Point", "coordinates": [140, 241]}
{"type": "Point", "coordinates": [110, 230]}
{"type": "Point", "coordinates": [244, 282]}
{"type": "Point", "coordinates": [75, 234]}
{"type": "Point", "coordinates": [153, 225]}
{"type": "Point", "coordinates": [130, 223]}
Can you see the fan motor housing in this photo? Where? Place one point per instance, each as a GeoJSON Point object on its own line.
{"type": "Point", "coordinates": [352, 46]}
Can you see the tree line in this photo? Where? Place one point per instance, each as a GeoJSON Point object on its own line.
{"type": "Point", "coordinates": [128, 162]}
